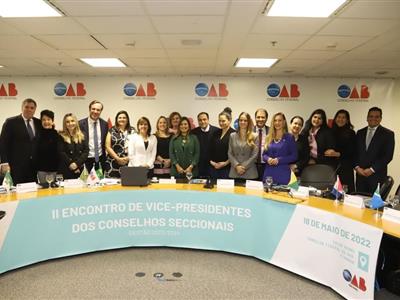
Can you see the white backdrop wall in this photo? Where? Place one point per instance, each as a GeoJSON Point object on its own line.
{"type": "Point", "coordinates": [167, 94]}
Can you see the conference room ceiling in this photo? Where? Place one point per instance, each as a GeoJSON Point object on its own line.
{"type": "Point", "coordinates": [203, 37]}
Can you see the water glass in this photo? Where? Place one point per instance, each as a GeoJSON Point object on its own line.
{"type": "Point", "coordinates": [49, 179]}
{"type": "Point", "coordinates": [189, 176]}
{"type": "Point", "coordinates": [59, 179]}
{"type": "Point", "coordinates": [268, 182]}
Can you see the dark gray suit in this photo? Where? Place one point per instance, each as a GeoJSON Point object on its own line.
{"type": "Point", "coordinates": [377, 157]}
{"type": "Point", "coordinates": [18, 150]}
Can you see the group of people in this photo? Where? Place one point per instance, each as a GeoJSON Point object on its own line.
{"type": "Point", "coordinates": [31, 148]}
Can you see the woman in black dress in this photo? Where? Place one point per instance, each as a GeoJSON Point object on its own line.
{"type": "Point", "coordinates": [345, 137]}
{"type": "Point", "coordinates": [303, 148]}
{"type": "Point", "coordinates": [72, 148]}
{"type": "Point", "coordinates": [47, 158]}
{"type": "Point", "coordinates": [117, 145]}
{"type": "Point", "coordinates": [219, 145]}
{"type": "Point", "coordinates": [162, 164]}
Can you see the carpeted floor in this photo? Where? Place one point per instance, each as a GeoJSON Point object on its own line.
{"type": "Point", "coordinates": [159, 273]}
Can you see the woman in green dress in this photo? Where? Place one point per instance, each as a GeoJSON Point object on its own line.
{"type": "Point", "coordinates": [184, 151]}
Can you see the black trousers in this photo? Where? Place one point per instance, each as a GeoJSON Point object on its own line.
{"type": "Point", "coordinates": [90, 162]}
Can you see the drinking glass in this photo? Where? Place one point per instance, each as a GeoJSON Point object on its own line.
{"type": "Point", "coordinates": [189, 176]}
{"type": "Point", "coordinates": [268, 182]}
{"type": "Point", "coordinates": [59, 179]}
{"type": "Point", "coordinates": [49, 179]}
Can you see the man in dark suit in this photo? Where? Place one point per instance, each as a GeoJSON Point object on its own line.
{"type": "Point", "coordinates": [261, 130]}
{"type": "Point", "coordinates": [18, 140]}
{"type": "Point", "coordinates": [204, 132]}
{"type": "Point", "coordinates": [375, 147]}
{"type": "Point", "coordinates": [95, 130]}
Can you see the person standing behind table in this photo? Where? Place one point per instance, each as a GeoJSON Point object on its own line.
{"type": "Point", "coordinates": [303, 148]}
{"type": "Point", "coordinates": [162, 165]}
{"type": "Point", "coordinates": [261, 130]}
{"type": "Point", "coordinates": [117, 145]}
{"type": "Point", "coordinates": [184, 151]}
{"type": "Point", "coordinates": [47, 158]}
{"type": "Point", "coordinates": [95, 130]}
{"type": "Point", "coordinates": [173, 122]}
{"type": "Point", "coordinates": [142, 147]}
{"type": "Point", "coordinates": [204, 133]}
{"type": "Point", "coordinates": [18, 140]}
{"type": "Point", "coordinates": [280, 151]}
{"type": "Point", "coordinates": [320, 139]}
{"type": "Point", "coordinates": [72, 148]}
{"type": "Point", "coordinates": [375, 147]}
{"type": "Point", "coordinates": [243, 151]}
{"type": "Point", "coordinates": [219, 146]}
{"type": "Point", "coordinates": [345, 136]}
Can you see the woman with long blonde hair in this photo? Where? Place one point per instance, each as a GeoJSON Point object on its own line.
{"type": "Point", "coordinates": [72, 148]}
{"type": "Point", "coordinates": [243, 151]}
{"type": "Point", "coordinates": [280, 150]}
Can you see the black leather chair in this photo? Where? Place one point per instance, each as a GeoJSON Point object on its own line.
{"type": "Point", "coordinates": [321, 177]}
{"type": "Point", "coordinates": [384, 189]}
{"type": "Point", "coordinates": [398, 191]}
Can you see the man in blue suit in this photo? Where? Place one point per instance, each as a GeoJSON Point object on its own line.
{"type": "Point", "coordinates": [95, 130]}
{"type": "Point", "coordinates": [375, 147]}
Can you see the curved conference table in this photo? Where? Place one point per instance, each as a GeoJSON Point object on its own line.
{"type": "Point", "coordinates": [334, 245]}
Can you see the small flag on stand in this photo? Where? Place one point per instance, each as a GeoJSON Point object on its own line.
{"type": "Point", "coordinates": [99, 172]}
{"type": "Point", "coordinates": [376, 200]}
{"type": "Point", "coordinates": [293, 183]}
{"type": "Point", "coordinates": [7, 181]}
{"type": "Point", "coordinates": [84, 175]}
{"type": "Point", "coordinates": [337, 190]}
{"type": "Point", "coordinates": [92, 178]}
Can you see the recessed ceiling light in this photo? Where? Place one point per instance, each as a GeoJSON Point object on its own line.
{"type": "Point", "coordinates": [303, 8]}
{"type": "Point", "coordinates": [27, 8]}
{"type": "Point", "coordinates": [255, 62]}
{"type": "Point", "coordinates": [104, 62]}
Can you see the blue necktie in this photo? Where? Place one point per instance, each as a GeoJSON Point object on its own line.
{"type": "Point", "coordinates": [96, 142]}
{"type": "Point", "coordinates": [30, 130]}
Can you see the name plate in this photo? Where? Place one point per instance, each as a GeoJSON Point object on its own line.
{"type": "Point", "coordinates": [254, 185]}
{"type": "Point", "coordinates": [167, 181]}
{"type": "Point", "coordinates": [303, 192]}
{"type": "Point", "coordinates": [392, 215]}
{"type": "Point", "coordinates": [73, 183]}
{"type": "Point", "coordinates": [26, 187]}
{"type": "Point", "coordinates": [354, 201]}
{"type": "Point", "coordinates": [225, 183]}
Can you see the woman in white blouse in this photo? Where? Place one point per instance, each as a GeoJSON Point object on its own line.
{"type": "Point", "coordinates": [142, 147]}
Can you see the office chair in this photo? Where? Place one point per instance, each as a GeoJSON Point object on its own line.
{"type": "Point", "coordinates": [398, 191]}
{"type": "Point", "coordinates": [384, 189]}
{"type": "Point", "coordinates": [321, 177]}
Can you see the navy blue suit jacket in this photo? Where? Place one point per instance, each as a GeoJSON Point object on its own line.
{"type": "Point", "coordinates": [84, 125]}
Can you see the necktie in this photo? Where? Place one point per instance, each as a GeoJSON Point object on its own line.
{"type": "Point", "coordinates": [368, 139]}
{"type": "Point", "coordinates": [30, 130]}
{"type": "Point", "coordinates": [96, 142]}
{"type": "Point", "coordinates": [259, 160]}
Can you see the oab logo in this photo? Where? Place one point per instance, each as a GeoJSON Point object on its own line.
{"type": "Point", "coordinates": [149, 90]}
{"type": "Point", "coordinates": [8, 90]}
{"type": "Point", "coordinates": [347, 93]}
{"type": "Point", "coordinates": [72, 90]}
{"type": "Point", "coordinates": [219, 90]}
{"type": "Point", "coordinates": [356, 283]}
{"type": "Point", "coordinates": [289, 92]}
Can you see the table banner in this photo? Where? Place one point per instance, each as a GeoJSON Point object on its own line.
{"type": "Point", "coordinates": [331, 249]}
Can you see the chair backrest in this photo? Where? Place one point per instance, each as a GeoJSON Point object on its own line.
{"type": "Point", "coordinates": [319, 176]}
{"type": "Point", "coordinates": [386, 187]}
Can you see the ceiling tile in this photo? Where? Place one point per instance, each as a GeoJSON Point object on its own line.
{"type": "Point", "coordinates": [188, 24]}
{"type": "Point", "coordinates": [145, 53]}
{"type": "Point", "coordinates": [357, 27]}
{"type": "Point", "coordinates": [192, 53]}
{"type": "Point", "coordinates": [340, 43]}
{"type": "Point", "coordinates": [100, 8]}
{"type": "Point", "coordinates": [282, 42]}
{"type": "Point", "coordinates": [62, 25]}
{"type": "Point", "coordinates": [147, 62]}
{"type": "Point", "coordinates": [70, 41]}
{"type": "Point", "coordinates": [314, 54]}
{"type": "Point", "coordinates": [275, 25]}
{"type": "Point", "coordinates": [121, 41]}
{"type": "Point", "coordinates": [175, 40]}
{"type": "Point", "coordinates": [382, 9]}
{"type": "Point", "coordinates": [117, 25]}
{"type": "Point", "coordinates": [185, 7]}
